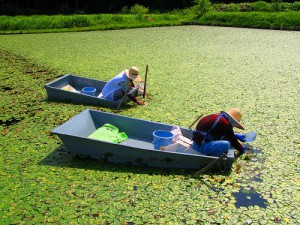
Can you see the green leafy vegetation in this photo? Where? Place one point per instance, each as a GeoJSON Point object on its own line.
{"type": "Point", "coordinates": [139, 9]}
{"type": "Point", "coordinates": [193, 70]}
{"type": "Point", "coordinates": [59, 23]}
{"type": "Point", "coordinates": [260, 14]}
{"type": "Point", "coordinates": [282, 21]}
{"type": "Point", "coordinates": [259, 6]}
{"type": "Point", "coordinates": [201, 7]}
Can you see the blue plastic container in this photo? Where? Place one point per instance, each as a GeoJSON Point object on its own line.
{"type": "Point", "coordinates": [89, 91]}
{"type": "Point", "coordinates": [162, 138]}
{"type": "Point", "coordinates": [250, 136]}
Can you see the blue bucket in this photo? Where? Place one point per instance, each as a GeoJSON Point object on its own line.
{"type": "Point", "coordinates": [89, 91]}
{"type": "Point", "coordinates": [162, 138]}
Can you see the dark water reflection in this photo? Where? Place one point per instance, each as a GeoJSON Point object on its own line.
{"type": "Point", "coordinates": [248, 196]}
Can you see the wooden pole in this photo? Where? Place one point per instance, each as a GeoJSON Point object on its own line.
{"type": "Point", "coordinates": [220, 159]}
{"type": "Point", "coordinates": [121, 101]}
{"type": "Point", "coordinates": [195, 121]}
{"type": "Point", "coordinates": [145, 84]}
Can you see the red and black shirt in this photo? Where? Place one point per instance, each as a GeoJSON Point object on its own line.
{"type": "Point", "coordinates": [223, 130]}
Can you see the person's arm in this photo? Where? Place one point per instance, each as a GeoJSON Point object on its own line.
{"type": "Point", "coordinates": [240, 137]}
{"type": "Point", "coordinates": [126, 86]}
{"type": "Point", "coordinates": [235, 143]}
{"type": "Point", "coordinates": [135, 100]}
{"type": "Point", "coordinates": [228, 130]}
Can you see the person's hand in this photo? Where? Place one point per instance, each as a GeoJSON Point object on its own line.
{"type": "Point", "coordinates": [240, 137]}
{"type": "Point", "coordinates": [140, 102]}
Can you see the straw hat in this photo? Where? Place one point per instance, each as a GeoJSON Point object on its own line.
{"type": "Point", "coordinates": [235, 116]}
{"type": "Point", "coordinates": [133, 74]}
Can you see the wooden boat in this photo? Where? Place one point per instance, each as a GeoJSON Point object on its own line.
{"type": "Point", "coordinates": [56, 92]}
{"type": "Point", "coordinates": [137, 149]}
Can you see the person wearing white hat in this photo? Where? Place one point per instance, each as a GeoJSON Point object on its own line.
{"type": "Point", "coordinates": [122, 84]}
{"type": "Point", "coordinates": [214, 133]}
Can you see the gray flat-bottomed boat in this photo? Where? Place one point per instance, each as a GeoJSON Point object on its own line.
{"type": "Point", "coordinates": [55, 91]}
{"type": "Point", "coordinates": [137, 149]}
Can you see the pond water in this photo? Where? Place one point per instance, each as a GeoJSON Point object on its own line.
{"type": "Point", "coordinates": [196, 70]}
{"type": "Point", "coordinates": [246, 198]}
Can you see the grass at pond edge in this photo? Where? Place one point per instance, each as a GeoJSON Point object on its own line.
{"type": "Point", "coordinates": [260, 20]}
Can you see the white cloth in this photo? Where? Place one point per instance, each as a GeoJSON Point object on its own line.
{"type": "Point", "coordinates": [180, 143]}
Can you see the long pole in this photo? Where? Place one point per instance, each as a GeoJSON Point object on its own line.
{"type": "Point", "coordinates": [220, 159]}
{"type": "Point", "coordinates": [195, 121]}
{"type": "Point", "coordinates": [145, 84]}
{"type": "Point", "coordinates": [124, 96]}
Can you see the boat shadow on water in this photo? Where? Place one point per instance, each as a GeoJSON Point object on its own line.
{"type": "Point", "coordinates": [245, 197]}
{"type": "Point", "coordinates": [70, 102]}
{"type": "Point", "coordinates": [61, 157]}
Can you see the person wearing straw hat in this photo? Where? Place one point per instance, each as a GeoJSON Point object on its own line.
{"type": "Point", "coordinates": [122, 84]}
{"type": "Point", "coordinates": [214, 133]}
